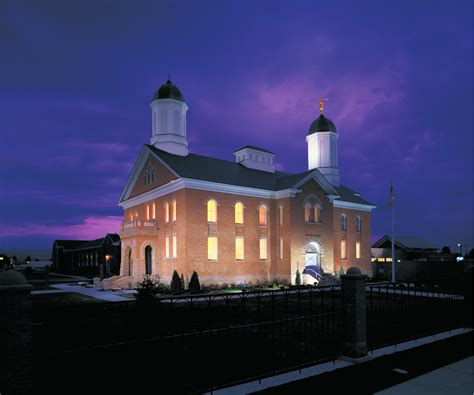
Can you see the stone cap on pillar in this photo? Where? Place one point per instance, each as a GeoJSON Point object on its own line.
{"type": "Point", "coordinates": [353, 272]}
{"type": "Point", "coordinates": [11, 280]}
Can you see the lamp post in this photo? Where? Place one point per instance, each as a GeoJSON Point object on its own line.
{"type": "Point", "coordinates": [107, 269]}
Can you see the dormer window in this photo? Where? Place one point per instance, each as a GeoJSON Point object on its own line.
{"type": "Point", "coordinates": [255, 158]}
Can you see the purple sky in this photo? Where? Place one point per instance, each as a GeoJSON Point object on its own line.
{"type": "Point", "coordinates": [76, 79]}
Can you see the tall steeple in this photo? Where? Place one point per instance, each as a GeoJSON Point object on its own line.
{"type": "Point", "coordinates": [322, 146]}
{"type": "Point", "coordinates": [168, 111]}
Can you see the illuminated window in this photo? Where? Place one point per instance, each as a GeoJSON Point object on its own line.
{"type": "Point", "coordinates": [388, 259]}
{"type": "Point", "coordinates": [212, 248]}
{"type": "Point", "coordinates": [358, 250]}
{"type": "Point", "coordinates": [167, 247]}
{"type": "Point", "coordinates": [280, 215]}
{"type": "Point", "coordinates": [239, 213]}
{"type": "Point", "coordinates": [343, 249]}
{"type": "Point", "coordinates": [263, 248]}
{"type": "Point", "coordinates": [131, 217]}
{"type": "Point", "coordinates": [175, 247]}
{"type": "Point", "coordinates": [212, 211]}
{"type": "Point", "coordinates": [167, 212]}
{"type": "Point", "coordinates": [262, 215]}
{"type": "Point", "coordinates": [147, 212]}
{"type": "Point", "coordinates": [380, 259]}
{"type": "Point", "coordinates": [239, 248]}
{"type": "Point", "coordinates": [317, 214]}
{"type": "Point", "coordinates": [153, 211]}
{"type": "Point", "coordinates": [307, 212]}
{"type": "Point", "coordinates": [281, 248]}
{"type": "Point", "coordinates": [343, 220]}
{"type": "Point", "coordinates": [358, 224]}
{"type": "Point", "coordinates": [174, 210]}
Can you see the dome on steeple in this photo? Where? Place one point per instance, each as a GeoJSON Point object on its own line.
{"type": "Point", "coordinates": [322, 124]}
{"type": "Point", "coordinates": [168, 91]}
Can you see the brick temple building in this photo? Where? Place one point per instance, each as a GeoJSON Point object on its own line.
{"type": "Point", "coordinates": [238, 221]}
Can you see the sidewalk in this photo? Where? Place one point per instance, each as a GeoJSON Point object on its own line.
{"type": "Point", "coordinates": [109, 296]}
{"type": "Point", "coordinates": [441, 363]}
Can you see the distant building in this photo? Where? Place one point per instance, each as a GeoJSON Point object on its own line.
{"type": "Point", "coordinates": [87, 257]}
{"type": "Point", "coordinates": [415, 260]}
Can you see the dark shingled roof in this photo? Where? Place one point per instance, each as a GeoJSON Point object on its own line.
{"type": "Point", "coordinates": [205, 168]}
{"type": "Point", "coordinates": [255, 148]}
{"type": "Point", "coordinates": [168, 91]}
{"type": "Point", "coordinates": [85, 244]}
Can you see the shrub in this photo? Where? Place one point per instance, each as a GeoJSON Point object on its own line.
{"type": "Point", "coordinates": [183, 284]}
{"type": "Point", "coordinates": [175, 282]}
{"type": "Point", "coordinates": [298, 278]}
{"type": "Point", "coordinates": [194, 284]}
{"type": "Point", "coordinates": [147, 289]}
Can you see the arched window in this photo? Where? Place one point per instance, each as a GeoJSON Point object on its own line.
{"type": "Point", "coordinates": [212, 211]}
{"type": "Point", "coordinates": [164, 120]}
{"type": "Point", "coordinates": [358, 224]}
{"type": "Point", "coordinates": [343, 220]}
{"type": "Point", "coordinates": [239, 213]}
{"type": "Point", "coordinates": [148, 259]}
{"type": "Point", "coordinates": [262, 215]}
{"type": "Point", "coordinates": [176, 121]}
{"type": "Point", "coordinates": [312, 210]}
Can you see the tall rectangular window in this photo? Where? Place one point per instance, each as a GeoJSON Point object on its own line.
{"type": "Point", "coordinates": [281, 248]}
{"type": "Point", "coordinates": [343, 249]}
{"type": "Point", "coordinates": [239, 213]}
{"type": "Point", "coordinates": [358, 250]}
{"type": "Point", "coordinates": [307, 213]}
{"type": "Point", "coordinates": [239, 248]}
{"type": "Point", "coordinates": [167, 212]}
{"type": "Point", "coordinates": [263, 248]}
{"type": "Point", "coordinates": [174, 210]}
{"type": "Point", "coordinates": [317, 218]}
{"type": "Point", "coordinates": [153, 211]}
{"type": "Point", "coordinates": [280, 215]}
{"type": "Point", "coordinates": [167, 247]}
{"type": "Point", "coordinates": [175, 247]}
{"type": "Point", "coordinates": [147, 212]}
{"type": "Point", "coordinates": [212, 248]}
{"type": "Point", "coordinates": [212, 211]}
{"type": "Point", "coordinates": [262, 215]}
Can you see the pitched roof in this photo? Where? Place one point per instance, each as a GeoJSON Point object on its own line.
{"type": "Point", "coordinates": [406, 242]}
{"type": "Point", "coordinates": [69, 244]}
{"type": "Point", "coordinates": [205, 168]}
{"type": "Point", "coordinates": [85, 244]}
{"type": "Point", "coordinates": [255, 148]}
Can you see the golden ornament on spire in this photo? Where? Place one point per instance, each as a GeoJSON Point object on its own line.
{"type": "Point", "coordinates": [321, 105]}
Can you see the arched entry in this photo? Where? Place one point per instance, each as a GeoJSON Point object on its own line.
{"type": "Point", "coordinates": [127, 270]}
{"type": "Point", "coordinates": [148, 259]}
{"type": "Point", "coordinates": [312, 258]}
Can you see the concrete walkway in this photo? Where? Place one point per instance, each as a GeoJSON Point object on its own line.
{"type": "Point", "coordinates": [109, 296]}
{"type": "Point", "coordinates": [456, 378]}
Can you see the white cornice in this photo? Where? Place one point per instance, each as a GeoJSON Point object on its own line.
{"type": "Point", "coordinates": [353, 206]}
{"type": "Point", "coordinates": [189, 183]}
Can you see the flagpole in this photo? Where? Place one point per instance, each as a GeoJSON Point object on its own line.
{"type": "Point", "coordinates": [393, 236]}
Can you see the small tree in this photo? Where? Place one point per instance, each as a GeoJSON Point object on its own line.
{"type": "Point", "coordinates": [298, 278]}
{"type": "Point", "coordinates": [182, 282]}
{"type": "Point", "coordinates": [28, 259]}
{"type": "Point", "coordinates": [194, 284]}
{"type": "Point", "coordinates": [175, 282]}
{"type": "Point", "coordinates": [147, 289]}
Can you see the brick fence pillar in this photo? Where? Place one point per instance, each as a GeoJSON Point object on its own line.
{"type": "Point", "coordinates": [15, 334]}
{"type": "Point", "coordinates": [354, 314]}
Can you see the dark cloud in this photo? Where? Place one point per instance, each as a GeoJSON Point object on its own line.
{"type": "Point", "coordinates": [76, 80]}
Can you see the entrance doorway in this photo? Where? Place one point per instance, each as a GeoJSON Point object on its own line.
{"type": "Point", "coordinates": [313, 262]}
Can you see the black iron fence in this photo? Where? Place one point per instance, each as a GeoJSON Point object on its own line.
{"type": "Point", "coordinates": [409, 310]}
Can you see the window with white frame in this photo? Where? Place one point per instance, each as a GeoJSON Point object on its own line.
{"type": "Point", "coordinates": [212, 248]}
{"type": "Point", "coordinates": [343, 220]}
{"type": "Point", "coordinates": [212, 211]}
{"type": "Point", "coordinates": [239, 213]}
{"type": "Point", "coordinates": [343, 249]}
{"type": "Point", "coordinates": [263, 248]}
{"type": "Point", "coordinates": [239, 248]}
{"type": "Point", "coordinates": [262, 215]}
{"type": "Point", "coordinates": [358, 224]}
